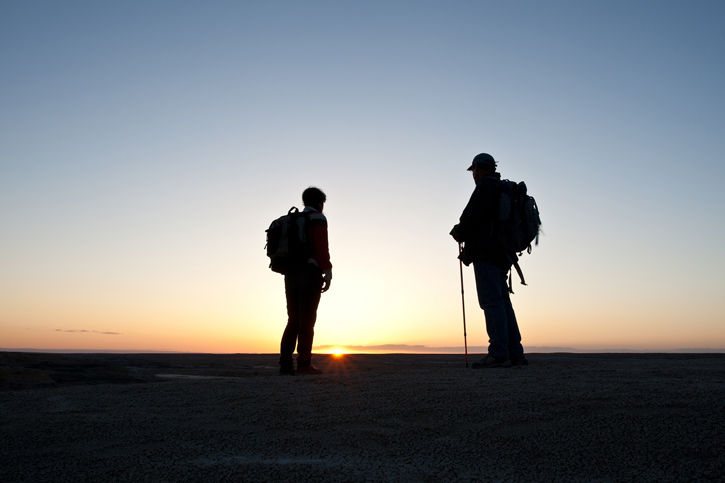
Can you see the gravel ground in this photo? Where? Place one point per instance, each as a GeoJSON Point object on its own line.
{"type": "Point", "coordinates": [381, 418]}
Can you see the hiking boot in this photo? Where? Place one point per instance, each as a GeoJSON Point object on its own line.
{"type": "Point", "coordinates": [308, 369]}
{"type": "Point", "coordinates": [519, 361]}
{"type": "Point", "coordinates": [490, 362]}
{"type": "Point", "coordinates": [286, 371]}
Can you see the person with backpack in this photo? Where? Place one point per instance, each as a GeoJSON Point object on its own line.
{"type": "Point", "coordinates": [307, 275]}
{"type": "Point", "coordinates": [491, 264]}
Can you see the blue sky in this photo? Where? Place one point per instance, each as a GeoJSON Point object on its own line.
{"type": "Point", "coordinates": [145, 147]}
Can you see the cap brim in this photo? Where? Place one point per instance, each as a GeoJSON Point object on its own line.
{"type": "Point", "coordinates": [484, 166]}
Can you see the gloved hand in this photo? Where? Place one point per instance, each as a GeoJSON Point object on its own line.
{"type": "Point", "coordinates": [326, 280]}
{"type": "Point", "coordinates": [456, 236]}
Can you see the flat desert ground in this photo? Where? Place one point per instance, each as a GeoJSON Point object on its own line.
{"type": "Point", "coordinates": [392, 417]}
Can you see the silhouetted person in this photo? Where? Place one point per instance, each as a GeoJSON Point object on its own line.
{"type": "Point", "coordinates": [303, 286]}
{"type": "Point", "coordinates": [491, 264]}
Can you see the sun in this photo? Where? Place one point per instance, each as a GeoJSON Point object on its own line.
{"type": "Point", "coordinates": [336, 352]}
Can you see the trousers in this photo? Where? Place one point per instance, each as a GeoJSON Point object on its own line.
{"type": "Point", "coordinates": [504, 338]}
{"type": "Point", "coordinates": [303, 289]}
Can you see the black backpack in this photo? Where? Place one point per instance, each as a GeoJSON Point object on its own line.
{"type": "Point", "coordinates": [518, 221]}
{"type": "Point", "coordinates": [287, 245]}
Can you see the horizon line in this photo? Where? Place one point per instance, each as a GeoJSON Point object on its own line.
{"type": "Point", "coordinates": [389, 349]}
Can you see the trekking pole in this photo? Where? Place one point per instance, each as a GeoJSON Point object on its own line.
{"type": "Point", "coordinates": [463, 303]}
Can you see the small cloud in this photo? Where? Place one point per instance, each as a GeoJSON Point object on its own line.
{"type": "Point", "coordinates": [88, 331]}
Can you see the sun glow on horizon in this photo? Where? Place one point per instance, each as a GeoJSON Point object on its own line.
{"type": "Point", "coordinates": [335, 351]}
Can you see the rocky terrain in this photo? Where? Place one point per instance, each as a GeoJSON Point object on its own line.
{"type": "Point", "coordinates": [411, 418]}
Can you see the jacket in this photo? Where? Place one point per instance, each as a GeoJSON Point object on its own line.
{"type": "Point", "coordinates": [317, 234]}
{"type": "Point", "coordinates": [476, 227]}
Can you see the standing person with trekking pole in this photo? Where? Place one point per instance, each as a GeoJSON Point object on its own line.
{"type": "Point", "coordinates": [491, 264]}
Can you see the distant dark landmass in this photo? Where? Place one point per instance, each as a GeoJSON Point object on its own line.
{"type": "Point", "coordinates": [399, 348]}
{"type": "Point", "coordinates": [90, 351]}
{"type": "Point", "coordinates": [393, 348]}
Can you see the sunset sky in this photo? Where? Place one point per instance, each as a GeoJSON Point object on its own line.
{"type": "Point", "coordinates": [146, 146]}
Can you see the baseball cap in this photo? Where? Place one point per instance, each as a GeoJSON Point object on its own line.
{"type": "Point", "coordinates": [485, 161]}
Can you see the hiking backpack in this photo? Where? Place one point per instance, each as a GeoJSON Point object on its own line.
{"type": "Point", "coordinates": [287, 245]}
{"type": "Point", "coordinates": [518, 221]}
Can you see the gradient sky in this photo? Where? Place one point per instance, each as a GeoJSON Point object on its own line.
{"type": "Point", "coordinates": [146, 146]}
